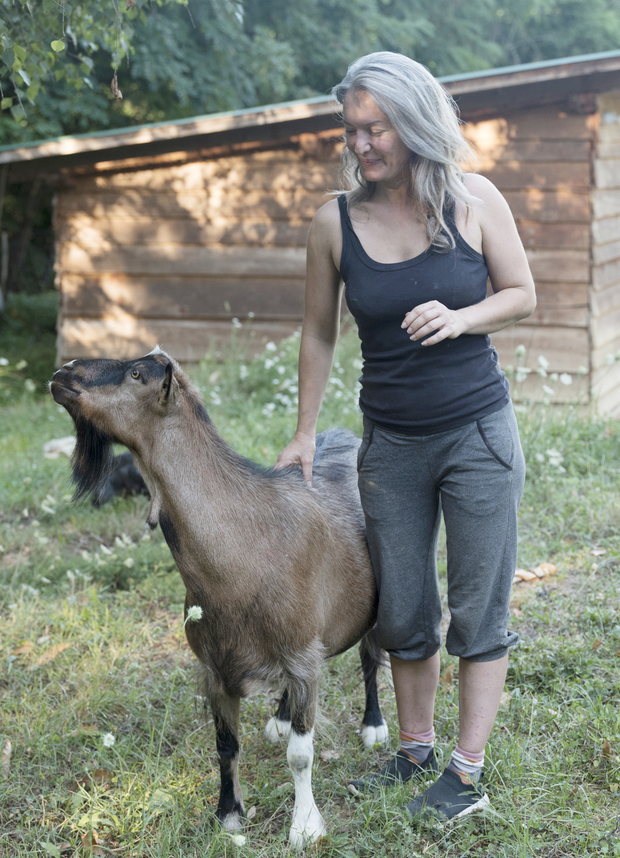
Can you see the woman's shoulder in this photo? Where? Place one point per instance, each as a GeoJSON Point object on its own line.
{"type": "Point", "coordinates": [481, 188]}
{"type": "Point", "coordinates": [326, 221]}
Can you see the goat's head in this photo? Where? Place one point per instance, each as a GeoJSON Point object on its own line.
{"type": "Point", "coordinates": [113, 401]}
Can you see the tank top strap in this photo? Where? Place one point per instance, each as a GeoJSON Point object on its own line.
{"type": "Point", "coordinates": [348, 233]}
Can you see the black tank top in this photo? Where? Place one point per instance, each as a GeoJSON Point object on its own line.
{"type": "Point", "coordinates": [408, 388]}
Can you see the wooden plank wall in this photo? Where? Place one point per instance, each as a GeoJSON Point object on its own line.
{"type": "Point", "coordinates": [605, 296]}
{"type": "Point", "coordinates": [540, 159]}
{"type": "Point", "coordinates": [171, 254]}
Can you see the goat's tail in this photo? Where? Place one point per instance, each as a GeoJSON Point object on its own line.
{"type": "Point", "coordinates": [371, 655]}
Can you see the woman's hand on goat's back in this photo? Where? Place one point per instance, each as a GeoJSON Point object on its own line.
{"type": "Point", "coordinates": [299, 452]}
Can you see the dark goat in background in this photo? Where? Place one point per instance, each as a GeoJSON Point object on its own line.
{"type": "Point", "coordinates": [280, 570]}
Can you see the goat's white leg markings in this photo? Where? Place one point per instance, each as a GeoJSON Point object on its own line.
{"type": "Point", "coordinates": [307, 824]}
{"type": "Point", "coordinates": [232, 822]}
{"type": "Point", "coordinates": [277, 730]}
{"type": "Point", "coordinates": [372, 736]}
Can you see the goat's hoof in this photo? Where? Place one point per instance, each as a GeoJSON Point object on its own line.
{"type": "Point", "coordinates": [232, 822]}
{"type": "Point", "coordinates": [277, 731]}
{"type": "Point", "coordinates": [372, 736]}
{"type": "Point", "coordinates": [308, 831]}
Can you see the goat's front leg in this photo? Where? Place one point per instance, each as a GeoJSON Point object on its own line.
{"type": "Point", "coordinates": [307, 824]}
{"type": "Point", "coordinates": [230, 810]}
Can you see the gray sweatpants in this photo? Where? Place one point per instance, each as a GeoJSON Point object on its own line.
{"type": "Point", "coordinates": [475, 475]}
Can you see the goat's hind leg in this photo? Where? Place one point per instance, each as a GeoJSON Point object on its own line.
{"type": "Point", "coordinates": [374, 727]}
{"type": "Point", "coordinates": [307, 824]}
{"type": "Point", "coordinates": [230, 810]}
{"type": "Point", "coordinates": [279, 725]}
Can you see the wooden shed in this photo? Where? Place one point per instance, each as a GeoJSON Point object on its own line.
{"type": "Point", "coordinates": [170, 233]}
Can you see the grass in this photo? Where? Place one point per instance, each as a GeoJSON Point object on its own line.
{"type": "Point", "coordinates": [92, 643]}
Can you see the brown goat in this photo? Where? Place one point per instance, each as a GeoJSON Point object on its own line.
{"type": "Point", "coordinates": [280, 570]}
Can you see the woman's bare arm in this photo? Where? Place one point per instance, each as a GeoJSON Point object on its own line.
{"type": "Point", "coordinates": [319, 333]}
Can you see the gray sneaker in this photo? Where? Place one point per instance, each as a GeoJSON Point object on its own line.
{"type": "Point", "coordinates": [400, 769]}
{"type": "Point", "coordinates": [448, 799]}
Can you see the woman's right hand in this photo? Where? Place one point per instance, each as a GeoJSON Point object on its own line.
{"type": "Point", "coordinates": [299, 452]}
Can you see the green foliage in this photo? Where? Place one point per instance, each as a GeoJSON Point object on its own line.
{"type": "Point", "coordinates": [178, 58]}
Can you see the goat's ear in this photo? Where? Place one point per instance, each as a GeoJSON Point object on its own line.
{"type": "Point", "coordinates": [166, 386]}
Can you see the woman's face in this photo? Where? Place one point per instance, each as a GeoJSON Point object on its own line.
{"type": "Point", "coordinates": [382, 155]}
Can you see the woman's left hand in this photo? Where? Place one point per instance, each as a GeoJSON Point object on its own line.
{"type": "Point", "coordinates": [433, 317]}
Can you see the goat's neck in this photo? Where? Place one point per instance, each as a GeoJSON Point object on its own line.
{"type": "Point", "coordinates": [190, 470]}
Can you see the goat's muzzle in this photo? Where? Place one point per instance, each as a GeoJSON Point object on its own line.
{"type": "Point", "coordinates": [62, 387]}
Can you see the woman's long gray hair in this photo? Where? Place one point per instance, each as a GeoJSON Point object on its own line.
{"type": "Point", "coordinates": [424, 116]}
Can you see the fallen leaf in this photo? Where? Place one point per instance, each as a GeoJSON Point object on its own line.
{"type": "Point", "coordinates": [447, 678]}
{"type": "Point", "coordinates": [101, 776]}
{"type": "Point", "coordinates": [597, 644]}
{"type": "Point", "coordinates": [50, 654]}
{"type": "Point", "coordinates": [5, 759]}
{"type": "Point", "coordinates": [214, 376]}
{"type": "Point", "coordinates": [524, 575]}
{"type": "Point", "coordinates": [505, 699]}
{"type": "Point", "coordinates": [517, 612]}
{"type": "Point", "coordinates": [251, 812]}
{"type": "Point", "coordinates": [130, 4]}
{"type": "Point", "coordinates": [549, 568]}
{"type": "Point", "coordinates": [598, 552]}
{"type": "Point", "coordinates": [326, 756]}
{"type": "Point", "coordinates": [606, 751]}
{"type": "Point", "coordinates": [24, 648]}
{"type": "Point", "coordinates": [90, 843]}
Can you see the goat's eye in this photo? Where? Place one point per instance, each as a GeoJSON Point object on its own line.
{"type": "Point", "coordinates": [135, 373]}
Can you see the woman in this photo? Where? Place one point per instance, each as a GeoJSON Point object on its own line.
{"type": "Point", "coordinates": [414, 241]}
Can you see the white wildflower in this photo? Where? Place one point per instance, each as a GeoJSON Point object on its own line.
{"type": "Point", "coordinates": [566, 379]}
{"type": "Point", "coordinates": [520, 350]}
{"type": "Point", "coordinates": [21, 364]}
{"type": "Point", "coordinates": [271, 347]}
{"type": "Point", "coordinates": [542, 372]}
{"type": "Point", "coordinates": [3, 362]}
{"type": "Point", "coordinates": [553, 377]}
{"type": "Point", "coordinates": [108, 740]}
{"type": "Point", "coordinates": [522, 373]}
{"type": "Point", "coordinates": [268, 363]}
{"type": "Point", "coordinates": [243, 371]}
{"type": "Point", "coordinates": [543, 362]}
{"type": "Point", "coordinates": [582, 370]}
{"type": "Point", "coordinates": [251, 314]}
{"type": "Point", "coordinates": [128, 563]}
{"type": "Point", "coordinates": [548, 390]}
{"type": "Point", "coordinates": [610, 359]}
{"type": "Point", "coordinates": [30, 385]}
{"type": "Point", "coordinates": [539, 457]}
{"type": "Point", "coordinates": [236, 322]}
{"type": "Point", "coordinates": [194, 613]}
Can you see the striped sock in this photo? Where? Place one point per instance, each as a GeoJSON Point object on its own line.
{"type": "Point", "coordinates": [467, 765]}
{"type": "Point", "coordinates": [417, 746]}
